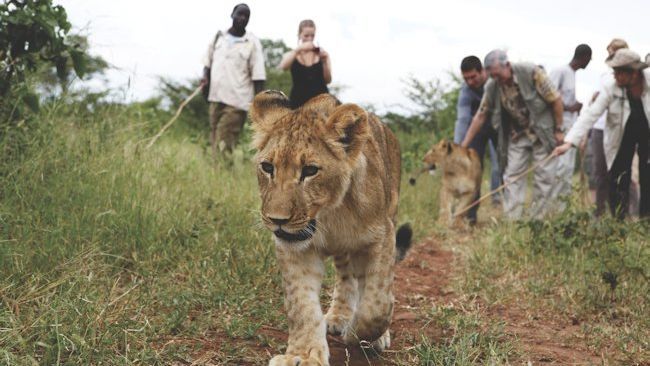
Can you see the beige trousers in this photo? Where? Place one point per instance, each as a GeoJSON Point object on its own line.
{"type": "Point", "coordinates": [520, 154]}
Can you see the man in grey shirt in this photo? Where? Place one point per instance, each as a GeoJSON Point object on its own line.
{"type": "Point", "coordinates": [469, 99]}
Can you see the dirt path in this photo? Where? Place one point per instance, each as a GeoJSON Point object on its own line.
{"type": "Point", "coordinates": [421, 281]}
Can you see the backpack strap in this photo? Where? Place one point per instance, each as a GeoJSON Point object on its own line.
{"type": "Point", "coordinates": [213, 46]}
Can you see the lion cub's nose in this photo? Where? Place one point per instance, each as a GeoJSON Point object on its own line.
{"type": "Point", "coordinates": [278, 221]}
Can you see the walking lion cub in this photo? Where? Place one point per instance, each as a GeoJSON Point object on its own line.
{"type": "Point", "coordinates": [461, 178]}
{"type": "Point", "coordinates": [329, 178]}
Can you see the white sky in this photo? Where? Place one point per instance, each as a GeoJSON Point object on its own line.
{"type": "Point", "coordinates": [374, 45]}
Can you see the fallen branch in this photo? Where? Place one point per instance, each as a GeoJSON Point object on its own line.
{"type": "Point", "coordinates": [171, 121]}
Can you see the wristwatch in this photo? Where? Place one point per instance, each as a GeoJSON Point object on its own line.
{"type": "Point", "coordinates": [560, 129]}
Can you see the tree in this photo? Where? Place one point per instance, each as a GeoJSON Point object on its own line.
{"type": "Point", "coordinates": [276, 79]}
{"type": "Point", "coordinates": [435, 103]}
{"type": "Point", "coordinates": [34, 33]}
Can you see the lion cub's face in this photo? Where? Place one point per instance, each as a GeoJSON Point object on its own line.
{"type": "Point", "coordinates": [437, 154]}
{"type": "Point", "coordinates": [305, 159]}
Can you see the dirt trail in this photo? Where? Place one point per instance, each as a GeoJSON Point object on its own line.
{"type": "Point", "coordinates": [421, 281]}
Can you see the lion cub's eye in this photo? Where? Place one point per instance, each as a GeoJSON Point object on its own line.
{"type": "Point", "coordinates": [267, 167]}
{"type": "Point", "coordinates": [308, 171]}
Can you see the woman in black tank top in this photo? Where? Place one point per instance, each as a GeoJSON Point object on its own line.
{"type": "Point", "coordinates": [309, 65]}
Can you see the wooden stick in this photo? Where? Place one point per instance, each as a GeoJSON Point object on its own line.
{"type": "Point", "coordinates": [178, 112]}
{"type": "Point", "coordinates": [504, 185]}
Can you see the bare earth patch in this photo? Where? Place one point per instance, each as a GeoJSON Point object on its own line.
{"type": "Point", "coordinates": [421, 281]}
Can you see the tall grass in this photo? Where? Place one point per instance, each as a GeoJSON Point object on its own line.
{"type": "Point", "coordinates": [114, 254]}
{"type": "Point", "coordinates": [106, 248]}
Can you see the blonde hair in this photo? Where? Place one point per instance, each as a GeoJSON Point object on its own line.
{"type": "Point", "coordinates": [307, 23]}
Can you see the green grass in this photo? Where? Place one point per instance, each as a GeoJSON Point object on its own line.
{"type": "Point", "coordinates": [114, 254]}
{"type": "Point", "coordinates": [592, 273]}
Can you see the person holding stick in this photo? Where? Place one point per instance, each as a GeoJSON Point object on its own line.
{"type": "Point", "coordinates": [627, 128]}
{"type": "Point", "coordinates": [233, 73]}
{"type": "Point", "coordinates": [526, 110]}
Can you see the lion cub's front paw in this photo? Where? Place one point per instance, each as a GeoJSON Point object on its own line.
{"type": "Point", "coordinates": [292, 360]}
{"type": "Point", "coordinates": [382, 343]}
{"type": "Point", "coordinates": [337, 323]}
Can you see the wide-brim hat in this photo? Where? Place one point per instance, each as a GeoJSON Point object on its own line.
{"type": "Point", "coordinates": [628, 59]}
{"type": "Point", "coordinates": [615, 45]}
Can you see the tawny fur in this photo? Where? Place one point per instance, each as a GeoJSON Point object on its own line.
{"type": "Point", "coordinates": [353, 198]}
{"type": "Point", "coordinates": [461, 178]}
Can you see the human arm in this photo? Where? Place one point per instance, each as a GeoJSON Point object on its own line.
{"type": "Point", "coordinates": [558, 116]}
{"type": "Point", "coordinates": [290, 56]}
{"type": "Point", "coordinates": [258, 85]}
{"type": "Point", "coordinates": [206, 76]}
{"type": "Point", "coordinates": [585, 121]}
{"type": "Point", "coordinates": [327, 66]}
{"type": "Point", "coordinates": [464, 115]}
{"type": "Point", "coordinates": [257, 68]}
{"type": "Point", "coordinates": [474, 127]}
{"type": "Point", "coordinates": [287, 60]}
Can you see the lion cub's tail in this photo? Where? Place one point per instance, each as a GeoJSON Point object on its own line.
{"type": "Point", "coordinates": [403, 241]}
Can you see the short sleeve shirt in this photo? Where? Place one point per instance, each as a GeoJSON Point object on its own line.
{"type": "Point", "coordinates": [564, 78]}
{"type": "Point", "coordinates": [513, 102]}
{"type": "Point", "coordinates": [234, 63]}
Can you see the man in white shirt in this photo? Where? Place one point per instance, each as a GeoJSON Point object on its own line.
{"type": "Point", "coordinates": [564, 78]}
{"type": "Point", "coordinates": [233, 73]}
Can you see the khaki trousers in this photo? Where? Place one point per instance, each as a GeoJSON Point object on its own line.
{"type": "Point", "coordinates": [566, 166]}
{"type": "Point", "coordinates": [226, 123]}
{"type": "Point", "coordinates": [520, 154]}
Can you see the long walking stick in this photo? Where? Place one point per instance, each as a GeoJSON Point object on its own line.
{"type": "Point", "coordinates": [504, 185]}
{"type": "Point", "coordinates": [171, 121]}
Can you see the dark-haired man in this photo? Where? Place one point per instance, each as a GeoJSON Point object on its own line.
{"type": "Point", "coordinates": [233, 73]}
{"type": "Point", "coordinates": [469, 100]}
{"type": "Point", "coordinates": [564, 78]}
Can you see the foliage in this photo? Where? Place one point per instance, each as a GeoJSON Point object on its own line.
{"type": "Point", "coordinates": [594, 272]}
{"type": "Point", "coordinates": [33, 35]}
{"type": "Point", "coordinates": [435, 106]}
{"type": "Point", "coordinates": [276, 79]}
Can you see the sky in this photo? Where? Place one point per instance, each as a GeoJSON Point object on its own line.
{"type": "Point", "coordinates": [374, 45]}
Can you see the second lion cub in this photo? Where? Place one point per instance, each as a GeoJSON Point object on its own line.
{"type": "Point", "coordinates": [461, 178]}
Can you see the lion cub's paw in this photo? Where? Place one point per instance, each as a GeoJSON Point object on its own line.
{"type": "Point", "coordinates": [382, 343]}
{"type": "Point", "coordinates": [291, 360]}
{"type": "Point", "coordinates": [337, 323]}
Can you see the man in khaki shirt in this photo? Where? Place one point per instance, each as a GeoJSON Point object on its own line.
{"type": "Point", "coordinates": [233, 73]}
{"type": "Point", "coordinates": [526, 110]}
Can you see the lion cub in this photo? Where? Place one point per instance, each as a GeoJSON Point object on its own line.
{"type": "Point", "coordinates": [461, 178]}
{"type": "Point", "coordinates": [329, 176]}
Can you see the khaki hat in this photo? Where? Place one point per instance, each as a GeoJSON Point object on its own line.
{"type": "Point", "coordinates": [615, 45]}
{"type": "Point", "coordinates": [626, 58]}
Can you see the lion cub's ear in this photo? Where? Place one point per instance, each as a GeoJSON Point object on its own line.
{"type": "Point", "coordinates": [348, 129]}
{"type": "Point", "coordinates": [268, 106]}
{"type": "Point", "coordinates": [323, 103]}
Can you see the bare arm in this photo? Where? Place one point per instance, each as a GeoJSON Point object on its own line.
{"type": "Point", "coordinates": [327, 66]}
{"type": "Point", "coordinates": [474, 127]}
{"type": "Point", "coordinates": [287, 60]}
{"type": "Point", "coordinates": [558, 110]}
{"type": "Point", "coordinates": [258, 85]}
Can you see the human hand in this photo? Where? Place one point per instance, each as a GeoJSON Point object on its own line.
{"type": "Point", "coordinates": [561, 149]}
{"type": "Point", "coordinates": [323, 54]}
{"type": "Point", "coordinates": [305, 46]}
{"type": "Point", "coordinates": [204, 81]}
{"type": "Point", "coordinates": [559, 137]}
{"type": "Point", "coordinates": [576, 107]}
